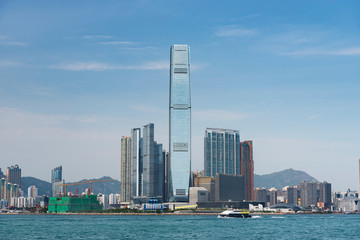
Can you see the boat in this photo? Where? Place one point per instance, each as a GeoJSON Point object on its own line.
{"type": "Point", "coordinates": [234, 214]}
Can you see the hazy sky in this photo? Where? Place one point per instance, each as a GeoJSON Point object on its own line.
{"type": "Point", "coordinates": [75, 76]}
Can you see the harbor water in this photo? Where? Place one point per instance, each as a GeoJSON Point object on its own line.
{"type": "Point", "coordinates": [179, 227]}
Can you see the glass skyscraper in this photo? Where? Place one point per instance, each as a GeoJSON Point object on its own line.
{"type": "Point", "coordinates": [125, 169]}
{"type": "Point", "coordinates": [179, 123]}
{"type": "Point", "coordinates": [222, 152]}
{"type": "Point", "coordinates": [56, 179]}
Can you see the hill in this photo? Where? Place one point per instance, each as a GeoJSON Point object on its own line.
{"type": "Point", "coordinates": [44, 188]}
{"type": "Point", "coordinates": [288, 177]}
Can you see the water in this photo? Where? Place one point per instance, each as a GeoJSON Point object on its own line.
{"type": "Point", "coordinates": [179, 227]}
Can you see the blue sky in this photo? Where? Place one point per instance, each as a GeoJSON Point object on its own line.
{"type": "Point", "coordinates": [75, 76]}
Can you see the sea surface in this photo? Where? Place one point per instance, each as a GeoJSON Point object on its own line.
{"type": "Point", "coordinates": [178, 227]}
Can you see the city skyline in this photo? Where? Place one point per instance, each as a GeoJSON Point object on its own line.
{"type": "Point", "coordinates": [73, 84]}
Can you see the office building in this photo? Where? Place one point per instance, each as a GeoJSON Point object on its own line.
{"type": "Point", "coordinates": [260, 195]}
{"type": "Point", "coordinates": [146, 164]}
{"type": "Point", "coordinates": [225, 190]}
{"type": "Point", "coordinates": [222, 152]}
{"type": "Point", "coordinates": [136, 162]}
{"type": "Point", "coordinates": [179, 123]}
{"type": "Point", "coordinates": [247, 168]}
{"type": "Point", "coordinates": [13, 175]}
{"type": "Point", "coordinates": [125, 169]}
{"type": "Point", "coordinates": [32, 192]}
{"type": "Point", "coordinates": [56, 180]}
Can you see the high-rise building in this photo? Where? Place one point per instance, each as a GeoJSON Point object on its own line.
{"type": "Point", "coordinates": [247, 168]}
{"type": "Point", "coordinates": [13, 175]}
{"type": "Point", "coordinates": [308, 193]}
{"type": "Point", "coordinates": [32, 192]}
{"type": "Point", "coordinates": [165, 175]}
{"type": "Point", "coordinates": [179, 123]}
{"type": "Point", "coordinates": [324, 190]}
{"type": "Point", "coordinates": [222, 152]}
{"type": "Point", "coordinates": [146, 164]}
{"type": "Point", "coordinates": [136, 162]}
{"type": "Point", "coordinates": [56, 180]}
{"type": "Point", "coordinates": [152, 164]}
{"type": "Point", "coordinates": [359, 179]}
{"type": "Point", "coordinates": [125, 169]}
{"type": "Point", "coordinates": [2, 174]}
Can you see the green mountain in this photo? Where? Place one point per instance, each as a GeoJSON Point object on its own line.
{"type": "Point", "coordinates": [44, 188]}
{"type": "Point", "coordinates": [288, 177]}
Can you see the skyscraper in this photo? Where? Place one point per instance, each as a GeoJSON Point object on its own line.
{"type": "Point", "coordinates": [146, 164]}
{"type": "Point", "coordinates": [125, 168]}
{"type": "Point", "coordinates": [222, 152]}
{"type": "Point", "coordinates": [179, 123]}
{"type": "Point", "coordinates": [56, 179]}
{"type": "Point", "coordinates": [247, 168]}
{"type": "Point", "coordinates": [136, 162]}
{"type": "Point", "coordinates": [13, 175]}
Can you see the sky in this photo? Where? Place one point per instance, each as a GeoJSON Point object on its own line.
{"type": "Point", "coordinates": [76, 76]}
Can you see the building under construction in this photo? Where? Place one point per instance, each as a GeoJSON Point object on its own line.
{"type": "Point", "coordinates": [74, 204]}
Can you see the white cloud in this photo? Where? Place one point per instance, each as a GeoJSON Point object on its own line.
{"type": "Point", "coordinates": [233, 31]}
{"type": "Point", "coordinates": [97, 37]}
{"type": "Point", "coordinates": [95, 66]}
{"type": "Point", "coordinates": [116, 43]}
{"type": "Point", "coordinates": [354, 51]}
{"type": "Point", "coordinates": [8, 64]}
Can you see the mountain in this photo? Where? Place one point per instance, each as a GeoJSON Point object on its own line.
{"type": "Point", "coordinates": [288, 177]}
{"type": "Point", "coordinates": [105, 187]}
{"type": "Point", "coordinates": [44, 188]}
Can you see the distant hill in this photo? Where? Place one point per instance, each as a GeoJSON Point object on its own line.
{"type": "Point", "coordinates": [44, 188]}
{"type": "Point", "coordinates": [288, 177]}
{"type": "Point", "coordinates": [105, 187]}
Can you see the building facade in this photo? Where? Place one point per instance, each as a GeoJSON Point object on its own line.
{"type": "Point", "coordinates": [13, 175]}
{"type": "Point", "coordinates": [125, 169]}
{"type": "Point", "coordinates": [179, 123]}
{"type": "Point", "coordinates": [136, 162]}
{"type": "Point", "coordinates": [222, 152]}
{"type": "Point", "coordinates": [56, 180]}
{"type": "Point", "coordinates": [247, 168]}
{"type": "Point", "coordinates": [32, 192]}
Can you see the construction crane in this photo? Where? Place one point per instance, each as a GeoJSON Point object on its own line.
{"type": "Point", "coordinates": [91, 181]}
{"type": "Point", "coordinates": [69, 184]}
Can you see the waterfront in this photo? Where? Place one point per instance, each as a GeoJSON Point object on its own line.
{"type": "Point", "coordinates": [178, 227]}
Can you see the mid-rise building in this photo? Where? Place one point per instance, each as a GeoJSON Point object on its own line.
{"type": "Point", "coordinates": [56, 181]}
{"type": "Point", "coordinates": [179, 123]}
{"type": "Point", "coordinates": [247, 168]}
{"type": "Point", "coordinates": [13, 175]}
{"type": "Point", "coordinates": [32, 192]}
{"type": "Point", "coordinates": [222, 152]}
{"type": "Point", "coordinates": [125, 169]}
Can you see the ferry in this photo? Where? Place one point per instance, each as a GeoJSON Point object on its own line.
{"type": "Point", "coordinates": [234, 214]}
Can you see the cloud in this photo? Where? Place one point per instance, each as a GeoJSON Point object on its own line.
{"type": "Point", "coordinates": [355, 51]}
{"type": "Point", "coordinates": [95, 66]}
{"type": "Point", "coordinates": [8, 64]}
{"type": "Point", "coordinates": [97, 37]}
{"type": "Point", "coordinates": [233, 31]}
{"type": "Point", "coordinates": [217, 115]}
{"type": "Point", "coordinates": [116, 43]}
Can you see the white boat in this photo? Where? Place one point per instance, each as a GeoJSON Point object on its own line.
{"type": "Point", "coordinates": [234, 214]}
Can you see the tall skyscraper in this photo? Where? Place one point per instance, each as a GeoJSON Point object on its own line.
{"type": "Point", "coordinates": [147, 164]}
{"type": "Point", "coordinates": [247, 168]}
{"type": "Point", "coordinates": [13, 175]}
{"type": "Point", "coordinates": [136, 162]}
{"type": "Point", "coordinates": [56, 179]}
{"type": "Point", "coordinates": [179, 123]}
{"type": "Point", "coordinates": [222, 152]}
{"type": "Point", "coordinates": [152, 163]}
{"type": "Point", "coordinates": [125, 168]}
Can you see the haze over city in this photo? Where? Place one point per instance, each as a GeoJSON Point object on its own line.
{"type": "Point", "coordinates": [75, 78]}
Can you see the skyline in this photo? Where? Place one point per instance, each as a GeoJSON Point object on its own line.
{"type": "Point", "coordinates": [75, 79]}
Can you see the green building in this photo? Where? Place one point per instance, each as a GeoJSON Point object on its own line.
{"type": "Point", "coordinates": [74, 204]}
